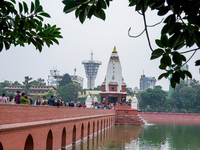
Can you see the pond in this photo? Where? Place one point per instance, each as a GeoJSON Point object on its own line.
{"type": "Point", "coordinates": [153, 136]}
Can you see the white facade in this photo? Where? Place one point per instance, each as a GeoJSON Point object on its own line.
{"type": "Point", "coordinates": [114, 69]}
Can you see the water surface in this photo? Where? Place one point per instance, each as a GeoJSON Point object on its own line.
{"type": "Point", "coordinates": [153, 136]}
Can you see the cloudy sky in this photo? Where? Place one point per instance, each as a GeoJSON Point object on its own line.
{"type": "Point", "coordinates": [96, 35]}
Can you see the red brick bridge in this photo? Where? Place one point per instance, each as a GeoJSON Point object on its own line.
{"type": "Point", "coordinates": [51, 128]}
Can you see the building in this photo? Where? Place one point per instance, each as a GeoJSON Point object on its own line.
{"type": "Point", "coordinates": [77, 78]}
{"type": "Point", "coordinates": [92, 93]}
{"type": "Point", "coordinates": [147, 82]}
{"type": "Point", "coordinates": [91, 69]}
{"type": "Point", "coordinates": [114, 87]}
{"type": "Point", "coordinates": [34, 90]}
{"type": "Point", "coordinates": [54, 78]}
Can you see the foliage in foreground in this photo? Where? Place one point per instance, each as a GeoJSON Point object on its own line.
{"type": "Point", "coordinates": [180, 30]}
{"type": "Point", "coordinates": [25, 26]}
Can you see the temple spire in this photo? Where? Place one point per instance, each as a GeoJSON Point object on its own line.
{"type": "Point", "coordinates": [114, 50]}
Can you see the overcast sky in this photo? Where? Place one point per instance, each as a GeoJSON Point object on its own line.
{"type": "Point", "coordinates": [96, 35]}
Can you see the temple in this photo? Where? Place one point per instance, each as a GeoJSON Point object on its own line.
{"type": "Point", "coordinates": [113, 87]}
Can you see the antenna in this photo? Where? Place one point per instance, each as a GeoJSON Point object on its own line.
{"type": "Point", "coordinates": [74, 72]}
{"type": "Point", "coordinates": [91, 55]}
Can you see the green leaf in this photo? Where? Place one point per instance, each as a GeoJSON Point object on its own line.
{"type": "Point", "coordinates": [197, 63]}
{"type": "Point", "coordinates": [25, 7]}
{"type": "Point", "coordinates": [183, 58]}
{"type": "Point", "coordinates": [163, 66]}
{"type": "Point", "coordinates": [1, 47]}
{"type": "Point", "coordinates": [37, 4]}
{"type": "Point", "coordinates": [173, 41]}
{"type": "Point", "coordinates": [40, 18]}
{"type": "Point", "coordinates": [158, 4]}
{"type": "Point", "coordinates": [176, 77]}
{"type": "Point", "coordinates": [108, 2]}
{"type": "Point", "coordinates": [103, 4]}
{"type": "Point", "coordinates": [1, 39]}
{"type": "Point", "coordinates": [182, 75]}
{"type": "Point", "coordinates": [163, 75]}
{"type": "Point", "coordinates": [82, 15]}
{"type": "Point", "coordinates": [20, 7]}
{"type": "Point", "coordinates": [163, 10]}
{"type": "Point", "coordinates": [71, 6]}
{"type": "Point", "coordinates": [32, 7]}
{"type": "Point", "coordinates": [56, 41]}
{"type": "Point", "coordinates": [91, 11]}
{"type": "Point", "coordinates": [101, 14]}
{"type": "Point", "coordinates": [45, 14]}
{"type": "Point", "coordinates": [172, 82]}
{"type": "Point", "coordinates": [77, 12]}
{"type": "Point", "coordinates": [38, 9]}
{"type": "Point", "coordinates": [158, 42]}
{"type": "Point", "coordinates": [176, 58]}
{"type": "Point", "coordinates": [165, 60]}
{"type": "Point", "coordinates": [20, 42]}
{"type": "Point", "coordinates": [157, 53]}
{"type": "Point", "coordinates": [164, 40]}
{"type": "Point", "coordinates": [187, 73]}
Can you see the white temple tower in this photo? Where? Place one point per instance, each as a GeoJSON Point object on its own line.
{"type": "Point", "coordinates": [114, 87]}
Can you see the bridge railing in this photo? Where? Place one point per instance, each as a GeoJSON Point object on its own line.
{"type": "Point", "coordinates": [12, 113]}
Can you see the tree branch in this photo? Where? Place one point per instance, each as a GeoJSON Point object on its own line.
{"type": "Point", "coordinates": [190, 50]}
{"type": "Point", "coordinates": [145, 25]}
{"type": "Point", "coordinates": [190, 58]}
{"type": "Point", "coordinates": [156, 23]}
{"type": "Point", "coordinates": [136, 35]}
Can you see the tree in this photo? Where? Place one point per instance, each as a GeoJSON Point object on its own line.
{"type": "Point", "coordinates": [187, 97]}
{"type": "Point", "coordinates": [39, 81]}
{"type": "Point", "coordinates": [16, 83]}
{"type": "Point", "coordinates": [27, 84]}
{"type": "Point", "coordinates": [98, 88]}
{"type": "Point", "coordinates": [50, 93]}
{"type": "Point", "coordinates": [180, 30]}
{"type": "Point", "coordinates": [155, 97]}
{"type": "Point", "coordinates": [5, 83]}
{"type": "Point", "coordinates": [69, 91]}
{"type": "Point", "coordinates": [25, 26]}
{"type": "Point", "coordinates": [129, 92]}
{"type": "Point", "coordinates": [65, 80]}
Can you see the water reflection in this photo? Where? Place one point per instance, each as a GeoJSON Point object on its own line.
{"type": "Point", "coordinates": [152, 137]}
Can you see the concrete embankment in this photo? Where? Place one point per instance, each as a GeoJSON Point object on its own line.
{"type": "Point", "coordinates": [159, 117]}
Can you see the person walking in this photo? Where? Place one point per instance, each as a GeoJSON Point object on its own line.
{"type": "Point", "coordinates": [17, 98]}
{"type": "Point", "coordinates": [67, 103]}
{"type": "Point", "coordinates": [84, 106]}
{"type": "Point", "coordinates": [23, 100]}
{"type": "Point", "coordinates": [51, 101]}
{"type": "Point", "coordinates": [44, 101]}
{"type": "Point", "coordinates": [31, 101]}
{"type": "Point", "coordinates": [38, 101]}
{"type": "Point", "coordinates": [11, 100]}
{"type": "Point", "coordinates": [3, 99]}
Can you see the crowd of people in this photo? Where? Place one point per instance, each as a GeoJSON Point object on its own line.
{"type": "Point", "coordinates": [27, 100]}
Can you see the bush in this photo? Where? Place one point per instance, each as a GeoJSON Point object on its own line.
{"type": "Point", "coordinates": [184, 111]}
{"type": "Point", "coordinates": [168, 106]}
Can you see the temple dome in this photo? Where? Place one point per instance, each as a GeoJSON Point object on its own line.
{"type": "Point", "coordinates": [113, 82]}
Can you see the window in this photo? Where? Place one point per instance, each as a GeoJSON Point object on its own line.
{"type": "Point", "coordinates": [42, 91]}
{"type": "Point", "coordinates": [34, 91]}
{"type": "Point", "coordinates": [113, 88]}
